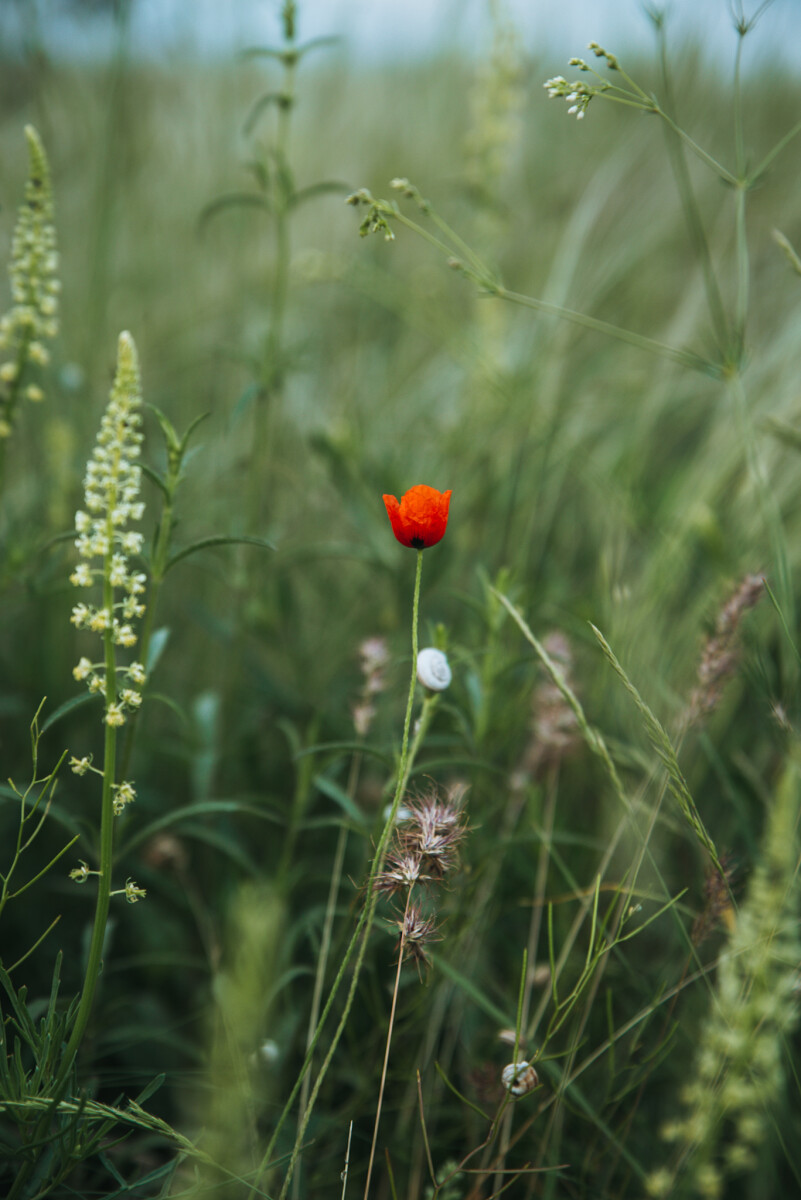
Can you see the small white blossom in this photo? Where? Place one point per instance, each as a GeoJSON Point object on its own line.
{"type": "Point", "coordinates": [115, 715]}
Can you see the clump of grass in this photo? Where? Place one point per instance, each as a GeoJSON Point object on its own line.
{"type": "Point", "coordinates": [738, 1080]}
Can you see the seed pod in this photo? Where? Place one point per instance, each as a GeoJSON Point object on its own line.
{"type": "Point", "coordinates": [433, 670]}
{"type": "Point", "coordinates": [519, 1078]}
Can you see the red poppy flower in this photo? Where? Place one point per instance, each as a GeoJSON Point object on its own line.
{"type": "Point", "coordinates": [421, 518]}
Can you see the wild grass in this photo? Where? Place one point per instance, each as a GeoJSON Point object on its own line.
{"type": "Point", "coordinates": [621, 733]}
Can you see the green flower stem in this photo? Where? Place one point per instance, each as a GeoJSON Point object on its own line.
{"type": "Point", "coordinates": [692, 215]}
{"type": "Point", "coordinates": [363, 926]}
{"type": "Point", "coordinates": [767, 161]}
{"type": "Point", "coordinates": [11, 406]}
{"type": "Point", "coordinates": [158, 569]}
{"type": "Point", "coordinates": [272, 380]}
{"type": "Point", "coordinates": [93, 964]}
{"type": "Point", "coordinates": [685, 357]}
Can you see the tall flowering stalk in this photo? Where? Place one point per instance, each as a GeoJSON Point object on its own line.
{"type": "Point", "coordinates": [33, 317]}
{"type": "Point", "coordinates": [112, 484]}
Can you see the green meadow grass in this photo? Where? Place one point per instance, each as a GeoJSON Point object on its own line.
{"type": "Point", "coordinates": [594, 484]}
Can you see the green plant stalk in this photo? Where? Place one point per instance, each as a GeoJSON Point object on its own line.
{"type": "Point", "coordinates": [387, 1048]}
{"type": "Point", "coordinates": [325, 945]}
{"type": "Point", "coordinates": [273, 367]}
{"type": "Point", "coordinates": [492, 286]}
{"type": "Point", "coordinates": [94, 960]}
{"type": "Point", "coordinates": [429, 707]}
{"type": "Point", "coordinates": [158, 570]}
{"type": "Point", "coordinates": [741, 311]}
{"type": "Point", "coordinates": [14, 387]}
{"type": "Point", "coordinates": [93, 964]}
{"type": "Point", "coordinates": [363, 927]}
{"type": "Point", "coordinates": [689, 203]}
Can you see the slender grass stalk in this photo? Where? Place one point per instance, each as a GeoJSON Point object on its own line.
{"type": "Point", "coordinates": [689, 203]}
{"type": "Point", "coordinates": [273, 367]}
{"type": "Point", "coordinates": [325, 946]}
{"type": "Point", "coordinates": [360, 935]}
{"type": "Point", "coordinates": [390, 1027]}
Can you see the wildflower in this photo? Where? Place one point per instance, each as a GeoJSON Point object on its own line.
{"type": "Point", "coordinates": [400, 874]}
{"type": "Point", "coordinates": [363, 714]}
{"type": "Point", "coordinates": [81, 874]}
{"type": "Point", "coordinates": [421, 517]}
{"type": "Point", "coordinates": [115, 715]}
{"type": "Point", "coordinates": [721, 652]}
{"type": "Point", "coordinates": [136, 673]}
{"type": "Point", "coordinates": [83, 669]}
{"type": "Point", "coordinates": [79, 766]}
{"type": "Point", "coordinates": [433, 831]}
{"type": "Point", "coordinates": [124, 793]}
{"type": "Point", "coordinates": [374, 657]}
{"type": "Point", "coordinates": [433, 670]}
{"type": "Point", "coordinates": [417, 931]}
{"type": "Point", "coordinates": [34, 288]}
{"type": "Point", "coordinates": [133, 892]}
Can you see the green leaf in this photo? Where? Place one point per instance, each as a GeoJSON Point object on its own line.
{"type": "Point", "coordinates": [167, 427]}
{"type": "Point", "coordinates": [663, 746]}
{"type": "Point", "coordinates": [279, 99]}
{"type": "Point", "coordinates": [171, 704]}
{"type": "Point", "coordinates": [154, 477]}
{"type": "Point", "coordinates": [783, 432]}
{"type": "Point", "coordinates": [67, 707]}
{"type": "Point", "coordinates": [318, 189]}
{"type": "Point", "coordinates": [204, 809]}
{"type": "Point", "coordinates": [353, 747]}
{"type": "Point", "coordinates": [218, 540]}
{"type": "Point", "coordinates": [192, 426]}
{"type": "Point", "coordinates": [483, 1001]}
{"type": "Point", "coordinates": [158, 644]}
{"type": "Point", "coordinates": [340, 797]}
{"type": "Point", "coordinates": [233, 200]}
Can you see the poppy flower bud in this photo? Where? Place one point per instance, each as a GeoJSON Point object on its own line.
{"type": "Point", "coordinates": [433, 670]}
{"type": "Point", "coordinates": [421, 517]}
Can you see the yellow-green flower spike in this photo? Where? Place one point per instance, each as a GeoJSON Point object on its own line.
{"type": "Point", "coordinates": [33, 317]}
{"type": "Point", "coordinates": [111, 492]}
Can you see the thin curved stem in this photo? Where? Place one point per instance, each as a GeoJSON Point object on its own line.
{"type": "Point", "coordinates": [362, 930]}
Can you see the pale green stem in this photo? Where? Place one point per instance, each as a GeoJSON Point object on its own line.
{"type": "Point", "coordinates": [11, 406]}
{"type": "Point", "coordinates": [759, 171]}
{"type": "Point", "coordinates": [741, 312]}
{"type": "Point", "coordinates": [362, 931]}
{"type": "Point", "coordinates": [94, 960]}
{"type": "Point", "coordinates": [325, 946]}
{"type": "Point", "coordinates": [93, 964]}
{"type": "Point", "coordinates": [386, 1051]}
{"type": "Point", "coordinates": [692, 214]}
{"type": "Point", "coordinates": [685, 357]}
{"type": "Point", "coordinates": [273, 366]}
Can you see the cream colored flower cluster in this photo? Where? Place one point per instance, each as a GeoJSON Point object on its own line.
{"type": "Point", "coordinates": [34, 289]}
{"type": "Point", "coordinates": [112, 483]}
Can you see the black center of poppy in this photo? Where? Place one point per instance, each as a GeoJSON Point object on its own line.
{"type": "Point", "coordinates": [418, 543]}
